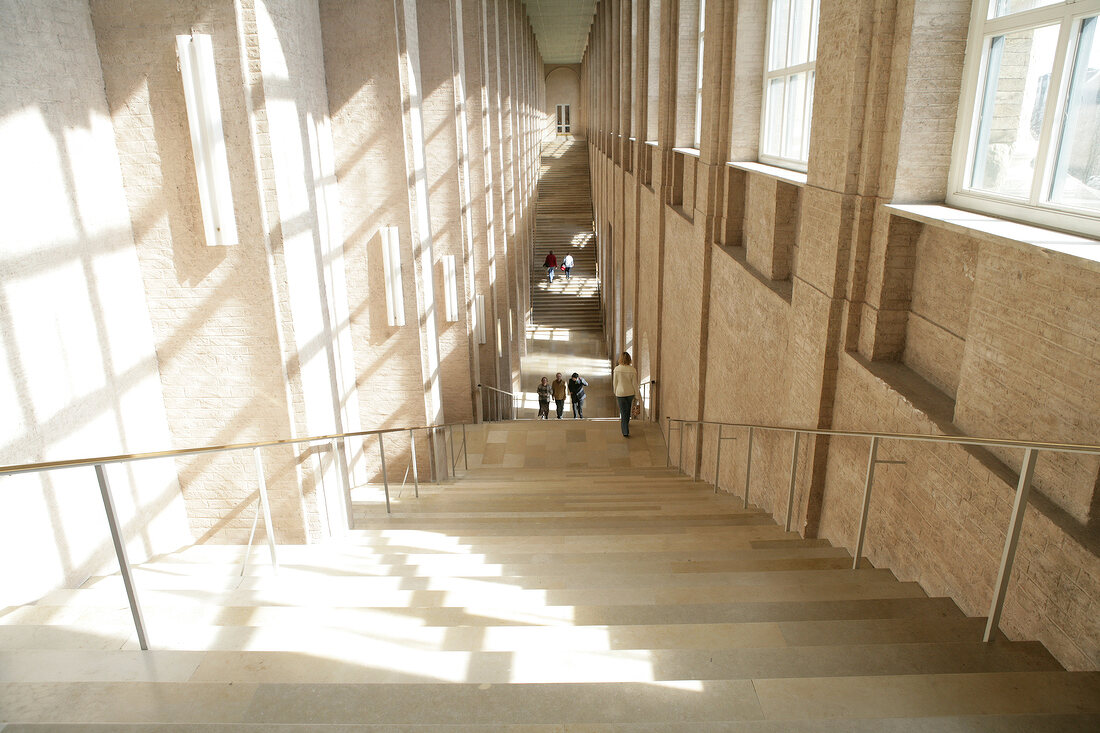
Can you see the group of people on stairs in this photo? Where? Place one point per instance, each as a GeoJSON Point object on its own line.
{"type": "Point", "coordinates": [551, 265]}
{"type": "Point", "coordinates": [624, 380]}
{"type": "Point", "coordinates": [557, 390]}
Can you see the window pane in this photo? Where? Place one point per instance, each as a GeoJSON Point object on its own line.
{"type": "Point", "coordinates": [793, 118]}
{"type": "Point", "coordinates": [777, 27]}
{"type": "Point", "coordinates": [774, 117]}
{"type": "Point", "coordinates": [1001, 8]}
{"type": "Point", "coordinates": [806, 125]}
{"type": "Point", "coordinates": [813, 30]}
{"type": "Point", "coordinates": [1076, 180]}
{"type": "Point", "coordinates": [799, 42]}
{"type": "Point", "coordinates": [1011, 113]}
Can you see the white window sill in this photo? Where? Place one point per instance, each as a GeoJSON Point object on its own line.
{"type": "Point", "coordinates": [783, 174]}
{"type": "Point", "coordinates": [651, 143]}
{"type": "Point", "coordinates": [693, 152]}
{"type": "Point", "coordinates": [999, 230]}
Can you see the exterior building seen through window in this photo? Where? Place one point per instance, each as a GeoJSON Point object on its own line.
{"type": "Point", "coordinates": [1028, 140]}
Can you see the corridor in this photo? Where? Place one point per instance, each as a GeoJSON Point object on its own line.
{"type": "Point", "coordinates": [565, 334]}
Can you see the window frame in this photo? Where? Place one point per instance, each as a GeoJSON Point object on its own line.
{"type": "Point", "coordinates": [810, 67]}
{"type": "Point", "coordinates": [1036, 209]}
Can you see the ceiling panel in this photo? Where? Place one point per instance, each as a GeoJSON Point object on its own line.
{"type": "Point", "coordinates": [561, 27]}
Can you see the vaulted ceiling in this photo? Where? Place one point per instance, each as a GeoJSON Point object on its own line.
{"type": "Point", "coordinates": [561, 27]}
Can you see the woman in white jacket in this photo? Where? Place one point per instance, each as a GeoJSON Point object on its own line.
{"type": "Point", "coordinates": [625, 381]}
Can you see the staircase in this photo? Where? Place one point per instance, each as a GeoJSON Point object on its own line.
{"type": "Point", "coordinates": [564, 224]}
{"type": "Point", "coordinates": [524, 598]}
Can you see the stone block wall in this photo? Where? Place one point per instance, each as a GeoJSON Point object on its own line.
{"type": "Point", "coordinates": [813, 303]}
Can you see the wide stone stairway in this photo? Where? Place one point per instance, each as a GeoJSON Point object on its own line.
{"type": "Point", "coordinates": [564, 224]}
{"type": "Point", "coordinates": [567, 581]}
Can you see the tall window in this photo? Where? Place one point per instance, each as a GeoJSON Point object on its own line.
{"type": "Point", "coordinates": [1028, 141]}
{"type": "Point", "coordinates": [699, 77]}
{"type": "Point", "coordinates": [789, 82]}
{"type": "Point", "coordinates": [653, 70]}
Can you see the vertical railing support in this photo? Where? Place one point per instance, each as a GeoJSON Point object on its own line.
{"type": "Point", "coordinates": [437, 470]}
{"type": "Point", "coordinates": [451, 461]}
{"type": "Point", "coordinates": [465, 457]}
{"type": "Point", "coordinates": [872, 458]}
{"type": "Point", "coordinates": [668, 442]}
{"type": "Point", "coordinates": [680, 456]}
{"type": "Point", "coordinates": [794, 472]}
{"type": "Point", "coordinates": [120, 553]}
{"type": "Point", "coordinates": [345, 471]}
{"type": "Point", "coordinates": [748, 466]}
{"type": "Point", "coordinates": [385, 479]}
{"type": "Point", "coordinates": [416, 473]}
{"type": "Point", "coordinates": [262, 484]}
{"type": "Point", "coordinates": [717, 457]}
{"type": "Point", "coordinates": [1023, 488]}
{"type": "Point", "coordinates": [698, 450]}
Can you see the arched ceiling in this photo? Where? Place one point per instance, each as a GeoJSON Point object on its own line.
{"type": "Point", "coordinates": [561, 27]}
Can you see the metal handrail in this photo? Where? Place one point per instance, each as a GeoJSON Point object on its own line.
{"type": "Point", "coordinates": [335, 440]}
{"type": "Point", "coordinates": [642, 395]}
{"type": "Point", "coordinates": [1023, 486]}
{"type": "Point", "coordinates": [496, 403]}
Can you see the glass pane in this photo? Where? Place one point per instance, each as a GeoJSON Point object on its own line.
{"type": "Point", "coordinates": [1001, 8]}
{"type": "Point", "coordinates": [773, 117]}
{"type": "Point", "coordinates": [777, 28]}
{"type": "Point", "coordinates": [805, 156]}
{"type": "Point", "coordinates": [794, 116]}
{"type": "Point", "coordinates": [1076, 180]}
{"type": "Point", "coordinates": [813, 30]}
{"type": "Point", "coordinates": [1011, 113]}
{"type": "Point", "coordinates": [798, 47]}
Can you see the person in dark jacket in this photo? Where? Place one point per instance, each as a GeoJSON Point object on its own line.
{"type": "Point", "coordinates": [551, 264]}
{"type": "Point", "coordinates": [544, 399]}
{"type": "Point", "coordinates": [576, 385]}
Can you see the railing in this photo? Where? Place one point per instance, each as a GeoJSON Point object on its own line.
{"type": "Point", "coordinates": [647, 398]}
{"type": "Point", "coordinates": [1023, 486]}
{"type": "Point", "coordinates": [501, 405]}
{"type": "Point", "coordinates": [337, 443]}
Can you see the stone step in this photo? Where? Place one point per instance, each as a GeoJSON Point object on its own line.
{"type": "Point", "coordinates": [115, 632]}
{"type": "Point", "coordinates": [802, 572]}
{"type": "Point", "coordinates": [1036, 723]}
{"type": "Point", "coordinates": [93, 622]}
{"type": "Point", "coordinates": [472, 704]}
{"type": "Point", "coordinates": [473, 593]}
{"type": "Point", "coordinates": [260, 656]}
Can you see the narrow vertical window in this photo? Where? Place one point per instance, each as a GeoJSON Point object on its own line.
{"type": "Point", "coordinates": [789, 69]}
{"type": "Point", "coordinates": [391, 269]}
{"type": "Point", "coordinates": [699, 77]}
{"type": "Point", "coordinates": [204, 118]}
{"type": "Point", "coordinates": [450, 288]}
{"type": "Point", "coordinates": [653, 71]}
{"type": "Point", "coordinates": [1028, 141]}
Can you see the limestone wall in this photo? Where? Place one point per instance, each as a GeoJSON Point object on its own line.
{"type": "Point", "coordinates": [79, 371]}
{"type": "Point", "coordinates": [804, 300]}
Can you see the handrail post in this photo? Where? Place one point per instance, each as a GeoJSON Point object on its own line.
{"type": "Point", "coordinates": [416, 476]}
{"type": "Point", "coordinates": [345, 479]}
{"type": "Point", "coordinates": [698, 450]}
{"type": "Point", "coordinates": [1023, 488]}
{"type": "Point", "coordinates": [120, 553]}
{"type": "Point", "coordinates": [668, 442]}
{"type": "Point", "coordinates": [433, 433]}
{"type": "Point", "coordinates": [680, 455]}
{"type": "Point", "coordinates": [451, 451]}
{"type": "Point", "coordinates": [748, 466]}
{"type": "Point", "coordinates": [465, 457]}
{"type": "Point", "coordinates": [262, 483]}
{"type": "Point", "coordinates": [717, 457]}
{"type": "Point", "coordinates": [385, 479]}
{"type": "Point", "coordinates": [871, 459]}
{"type": "Point", "coordinates": [794, 472]}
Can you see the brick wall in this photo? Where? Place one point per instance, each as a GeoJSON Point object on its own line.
{"type": "Point", "coordinates": [79, 374]}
